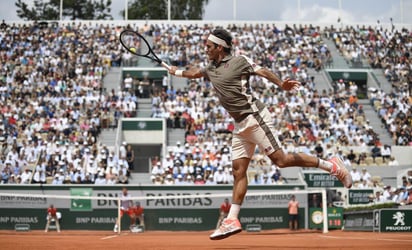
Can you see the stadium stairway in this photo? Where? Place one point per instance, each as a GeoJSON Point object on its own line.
{"type": "Point", "coordinates": [379, 77]}
{"type": "Point", "coordinates": [375, 121]}
{"type": "Point", "coordinates": [338, 61]}
{"type": "Point", "coordinates": [144, 109]}
{"type": "Point", "coordinates": [321, 80]}
{"type": "Point", "coordinates": [174, 135]}
{"type": "Point", "coordinates": [111, 81]}
{"type": "Point", "coordinates": [108, 138]}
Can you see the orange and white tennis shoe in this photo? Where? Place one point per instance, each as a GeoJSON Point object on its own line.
{"type": "Point", "coordinates": [339, 170]}
{"type": "Point", "coordinates": [229, 227]}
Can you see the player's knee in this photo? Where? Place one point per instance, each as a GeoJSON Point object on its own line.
{"type": "Point", "coordinates": [281, 162]}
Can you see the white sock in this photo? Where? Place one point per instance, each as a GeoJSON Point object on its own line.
{"type": "Point", "coordinates": [234, 211]}
{"type": "Point", "coordinates": [325, 165]}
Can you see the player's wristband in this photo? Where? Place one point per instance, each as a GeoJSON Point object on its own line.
{"type": "Point", "coordinates": [179, 72]}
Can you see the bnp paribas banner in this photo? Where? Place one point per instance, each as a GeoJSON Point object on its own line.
{"type": "Point", "coordinates": [174, 208]}
{"type": "Point", "coordinates": [164, 198]}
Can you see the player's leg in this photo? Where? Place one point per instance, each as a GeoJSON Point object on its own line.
{"type": "Point", "coordinates": [265, 137]}
{"type": "Point", "coordinates": [334, 166]}
{"type": "Point", "coordinates": [242, 151]}
{"type": "Point", "coordinates": [231, 224]}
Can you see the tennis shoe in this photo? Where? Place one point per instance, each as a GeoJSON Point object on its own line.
{"type": "Point", "coordinates": [339, 170]}
{"type": "Point", "coordinates": [115, 229]}
{"type": "Point", "coordinates": [228, 228]}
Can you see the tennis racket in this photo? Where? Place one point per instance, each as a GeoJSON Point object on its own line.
{"type": "Point", "coordinates": [136, 44]}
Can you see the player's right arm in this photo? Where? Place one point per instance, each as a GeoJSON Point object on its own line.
{"type": "Point", "coordinates": [189, 73]}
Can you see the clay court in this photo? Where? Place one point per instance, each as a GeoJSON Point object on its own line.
{"type": "Point", "coordinates": [272, 239]}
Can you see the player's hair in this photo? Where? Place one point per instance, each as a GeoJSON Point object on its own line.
{"type": "Point", "coordinates": [225, 35]}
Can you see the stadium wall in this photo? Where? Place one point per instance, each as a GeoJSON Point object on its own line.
{"type": "Point", "coordinates": [197, 212]}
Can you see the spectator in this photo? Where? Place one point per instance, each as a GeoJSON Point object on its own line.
{"type": "Point", "coordinates": [256, 180]}
{"type": "Point", "coordinates": [169, 180]}
{"type": "Point", "coordinates": [100, 179]}
{"type": "Point", "coordinates": [199, 180]}
{"type": "Point", "coordinates": [376, 152]}
{"type": "Point", "coordinates": [210, 180]}
{"type": "Point", "coordinates": [393, 161]}
{"type": "Point", "coordinates": [378, 198]}
{"type": "Point", "coordinates": [220, 176]}
{"type": "Point", "coordinates": [356, 176]}
{"type": "Point", "coordinates": [365, 175]}
{"type": "Point", "coordinates": [386, 152]}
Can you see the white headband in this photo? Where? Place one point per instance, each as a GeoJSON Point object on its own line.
{"type": "Point", "coordinates": [218, 40]}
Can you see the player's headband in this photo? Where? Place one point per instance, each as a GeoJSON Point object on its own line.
{"type": "Point", "coordinates": [218, 40]}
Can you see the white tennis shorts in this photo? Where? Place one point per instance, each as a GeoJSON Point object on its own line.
{"type": "Point", "coordinates": [255, 129]}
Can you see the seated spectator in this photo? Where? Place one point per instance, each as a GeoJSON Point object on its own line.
{"type": "Point", "coordinates": [386, 152]}
{"type": "Point", "coordinates": [351, 156]}
{"type": "Point", "coordinates": [356, 177]}
{"type": "Point", "coordinates": [210, 180]}
{"type": "Point", "coordinates": [256, 180]}
{"type": "Point", "coordinates": [220, 176]}
{"type": "Point", "coordinates": [266, 180]}
{"type": "Point", "coordinates": [376, 152]}
{"type": "Point", "coordinates": [365, 175]}
{"type": "Point", "coordinates": [199, 180]}
{"type": "Point", "coordinates": [379, 198]}
{"type": "Point", "coordinates": [101, 180]}
{"type": "Point", "coordinates": [393, 161]}
{"type": "Point", "coordinates": [169, 180]}
{"type": "Point", "coordinates": [179, 180]}
{"type": "Point", "coordinates": [363, 184]}
{"type": "Point", "coordinates": [276, 176]}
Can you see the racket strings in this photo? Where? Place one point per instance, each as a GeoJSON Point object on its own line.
{"type": "Point", "coordinates": [131, 40]}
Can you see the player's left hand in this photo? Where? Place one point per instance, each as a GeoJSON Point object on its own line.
{"type": "Point", "coordinates": [289, 85]}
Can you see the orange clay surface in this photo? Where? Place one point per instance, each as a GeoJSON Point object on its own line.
{"type": "Point", "coordinates": [271, 239]}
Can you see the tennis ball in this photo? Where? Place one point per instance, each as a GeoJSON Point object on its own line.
{"type": "Point", "coordinates": [133, 50]}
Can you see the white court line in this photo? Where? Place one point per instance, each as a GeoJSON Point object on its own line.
{"type": "Point", "coordinates": [109, 237]}
{"type": "Point", "coordinates": [113, 236]}
{"type": "Point", "coordinates": [363, 238]}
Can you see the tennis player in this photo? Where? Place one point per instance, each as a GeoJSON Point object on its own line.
{"type": "Point", "coordinates": [253, 126]}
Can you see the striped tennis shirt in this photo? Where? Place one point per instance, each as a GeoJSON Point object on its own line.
{"type": "Point", "coordinates": [230, 79]}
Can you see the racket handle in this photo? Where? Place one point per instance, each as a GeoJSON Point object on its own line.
{"type": "Point", "coordinates": [166, 65]}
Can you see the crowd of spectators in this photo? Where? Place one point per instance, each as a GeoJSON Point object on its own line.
{"type": "Point", "coordinates": [401, 195]}
{"type": "Point", "coordinates": [54, 105]}
{"type": "Point", "coordinates": [389, 50]}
